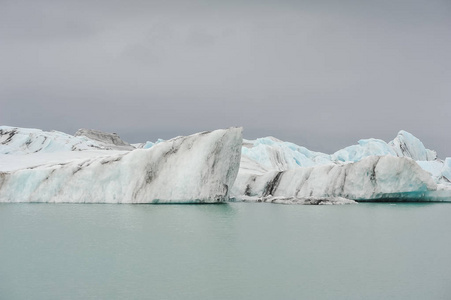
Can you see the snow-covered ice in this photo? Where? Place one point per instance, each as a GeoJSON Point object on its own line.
{"type": "Point", "coordinates": [200, 168]}
{"type": "Point", "coordinates": [14, 140]}
{"type": "Point", "coordinates": [373, 178]}
{"type": "Point", "coordinates": [99, 167]}
{"type": "Point", "coordinates": [107, 140]}
{"type": "Point", "coordinates": [406, 144]}
{"type": "Point", "coordinates": [446, 170]}
{"type": "Point", "coordinates": [371, 170]}
{"type": "Point", "coordinates": [273, 154]}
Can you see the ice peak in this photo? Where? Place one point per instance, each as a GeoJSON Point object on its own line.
{"type": "Point", "coordinates": [112, 139]}
{"type": "Point", "coordinates": [406, 144]}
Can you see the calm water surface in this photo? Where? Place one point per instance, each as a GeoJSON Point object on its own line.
{"type": "Point", "coordinates": [231, 251]}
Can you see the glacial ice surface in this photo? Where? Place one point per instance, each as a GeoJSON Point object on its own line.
{"type": "Point", "coordinates": [108, 140]}
{"type": "Point", "coordinates": [446, 170]}
{"type": "Point", "coordinates": [273, 169]}
{"type": "Point", "coordinates": [377, 178]}
{"type": "Point", "coordinates": [200, 168]}
{"type": "Point", "coordinates": [364, 148]}
{"type": "Point", "coordinates": [15, 140]}
{"type": "Point", "coordinates": [407, 145]}
{"type": "Point", "coordinates": [270, 170]}
{"type": "Point", "coordinates": [274, 154]}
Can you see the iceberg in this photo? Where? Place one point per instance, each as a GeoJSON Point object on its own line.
{"type": "Point", "coordinates": [14, 140]}
{"type": "Point", "coordinates": [364, 148]}
{"type": "Point", "coordinates": [107, 140]}
{"type": "Point", "coordinates": [199, 168]}
{"type": "Point", "coordinates": [147, 144]}
{"type": "Point", "coordinates": [275, 154]}
{"type": "Point", "coordinates": [406, 144]}
{"type": "Point", "coordinates": [210, 167]}
{"type": "Point", "coordinates": [374, 178]}
{"type": "Point", "coordinates": [373, 170]}
{"type": "Point", "coordinates": [446, 169]}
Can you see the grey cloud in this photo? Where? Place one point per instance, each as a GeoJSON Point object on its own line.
{"type": "Point", "coordinates": [319, 73]}
{"type": "Point", "coordinates": [37, 21]}
{"type": "Point", "coordinates": [201, 38]}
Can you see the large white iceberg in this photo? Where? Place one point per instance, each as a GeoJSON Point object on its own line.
{"type": "Point", "coordinates": [200, 168]}
{"type": "Point", "coordinates": [403, 169]}
{"type": "Point", "coordinates": [94, 166]}
{"type": "Point", "coordinates": [273, 154]}
{"type": "Point", "coordinates": [373, 178]}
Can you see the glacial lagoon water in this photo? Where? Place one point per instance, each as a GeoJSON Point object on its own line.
{"type": "Point", "coordinates": [230, 251]}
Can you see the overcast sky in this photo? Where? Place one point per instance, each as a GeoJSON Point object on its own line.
{"type": "Point", "coordinates": [322, 74]}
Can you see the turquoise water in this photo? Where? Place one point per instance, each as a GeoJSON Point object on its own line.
{"type": "Point", "coordinates": [231, 251]}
